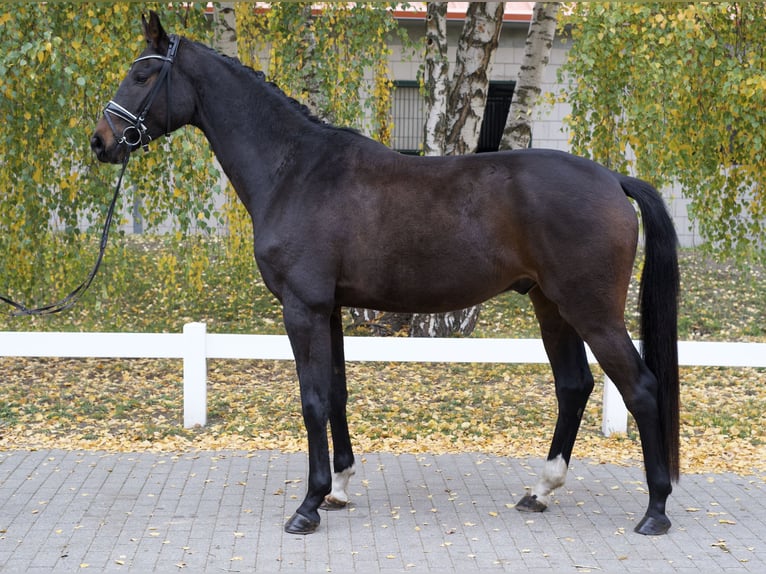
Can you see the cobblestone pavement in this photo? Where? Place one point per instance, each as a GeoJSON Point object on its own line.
{"type": "Point", "coordinates": [215, 512]}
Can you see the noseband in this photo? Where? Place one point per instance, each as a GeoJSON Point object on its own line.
{"type": "Point", "coordinates": [136, 133]}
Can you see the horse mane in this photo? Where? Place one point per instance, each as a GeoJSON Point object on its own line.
{"type": "Point", "coordinates": [259, 76]}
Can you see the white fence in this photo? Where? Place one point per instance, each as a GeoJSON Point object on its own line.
{"type": "Point", "coordinates": [195, 346]}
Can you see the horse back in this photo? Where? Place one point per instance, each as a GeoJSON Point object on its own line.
{"type": "Point", "coordinates": [393, 232]}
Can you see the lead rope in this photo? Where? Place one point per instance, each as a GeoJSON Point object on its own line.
{"type": "Point", "coordinates": [75, 295]}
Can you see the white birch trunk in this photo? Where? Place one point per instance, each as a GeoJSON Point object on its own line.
{"type": "Point", "coordinates": [314, 98]}
{"type": "Point", "coordinates": [436, 79]}
{"type": "Point", "coordinates": [226, 29]}
{"type": "Point", "coordinates": [466, 100]}
{"type": "Point", "coordinates": [436, 87]}
{"type": "Point", "coordinates": [470, 82]}
{"type": "Point", "coordinates": [542, 28]}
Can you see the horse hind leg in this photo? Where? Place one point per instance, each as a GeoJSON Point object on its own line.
{"type": "Point", "coordinates": [639, 388]}
{"type": "Point", "coordinates": [574, 384]}
{"type": "Point", "coordinates": [343, 456]}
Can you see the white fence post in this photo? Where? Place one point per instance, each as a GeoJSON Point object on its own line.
{"type": "Point", "coordinates": [195, 374]}
{"type": "Point", "coordinates": [614, 416]}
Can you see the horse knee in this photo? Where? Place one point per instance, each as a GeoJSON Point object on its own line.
{"type": "Point", "coordinates": [316, 414]}
{"type": "Point", "coordinates": [574, 391]}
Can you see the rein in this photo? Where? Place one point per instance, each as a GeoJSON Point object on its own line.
{"type": "Point", "coordinates": [75, 295]}
{"type": "Point", "coordinates": [133, 135]}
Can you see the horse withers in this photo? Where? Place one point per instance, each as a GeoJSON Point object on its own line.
{"type": "Point", "coordinates": [341, 220]}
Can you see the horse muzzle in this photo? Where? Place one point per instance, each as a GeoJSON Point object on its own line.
{"type": "Point", "coordinates": [106, 146]}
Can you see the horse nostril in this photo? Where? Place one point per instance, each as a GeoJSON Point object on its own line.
{"type": "Point", "coordinates": [97, 144]}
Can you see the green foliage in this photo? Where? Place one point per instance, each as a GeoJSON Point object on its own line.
{"type": "Point", "coordinates": [326, 56]}
{"type": "Point", "coordinates": [59, 64]}
{"type": "Point", "coordinates": [677, 93]}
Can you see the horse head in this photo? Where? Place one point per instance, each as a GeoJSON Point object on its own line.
{"type": "Point", "coordinates": [139, 113]}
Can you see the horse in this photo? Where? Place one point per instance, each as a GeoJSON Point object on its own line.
{"type": "Point", "coordinates": [340, 220]}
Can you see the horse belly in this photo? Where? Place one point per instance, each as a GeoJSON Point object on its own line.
{"type": "Point", "coordinates": [425, 284]}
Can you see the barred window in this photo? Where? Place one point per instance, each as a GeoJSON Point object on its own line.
{"type": "Point", "coordinates": [409, 115]}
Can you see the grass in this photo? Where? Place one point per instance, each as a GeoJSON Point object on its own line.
{"type": "Point", "coordinates": [503, 409]}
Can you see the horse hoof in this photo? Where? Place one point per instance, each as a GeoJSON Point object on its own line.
{"type": "Point", "coordinates": [530, 503]}
{"type": "Point", "coordinates": [299, 524]}
{"type": "Point", "coordinates": [332, 503]}
{"type": "Point", "coordinates": [653, 526]}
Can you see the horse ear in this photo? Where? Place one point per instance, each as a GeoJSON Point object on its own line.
{"type": "Point", "coordinates": [153, 31]}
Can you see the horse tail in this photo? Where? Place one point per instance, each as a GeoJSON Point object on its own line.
{"type": "Point", "coordinates": [658, 304]}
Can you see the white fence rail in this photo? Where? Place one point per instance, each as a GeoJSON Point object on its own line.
{"type": "Point", "coordinates": [195, 346]}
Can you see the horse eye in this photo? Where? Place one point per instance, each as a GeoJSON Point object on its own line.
{"type": "Point", "coordinates": [141, 78]}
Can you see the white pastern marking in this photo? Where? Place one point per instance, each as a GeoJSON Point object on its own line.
{"type": "Point", "coordinates": [553, 476]}
{"type": "Point", "coordinates": [340, 484]}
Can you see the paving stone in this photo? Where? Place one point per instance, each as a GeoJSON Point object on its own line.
{"type": "Point", "coordinates": [63, 511]}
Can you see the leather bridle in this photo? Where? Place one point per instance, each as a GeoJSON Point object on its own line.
{"type": "Point", "coordinates": [136, 134]}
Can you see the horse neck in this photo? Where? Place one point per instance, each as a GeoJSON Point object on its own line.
{"type": "Point", "coordinates": [247, 122]}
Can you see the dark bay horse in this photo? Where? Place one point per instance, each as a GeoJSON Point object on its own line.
{"type": "Point", "coordinates": [341, 220]}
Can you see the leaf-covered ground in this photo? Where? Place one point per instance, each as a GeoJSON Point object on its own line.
{"type": "Point", "coordinates": [398, 407]}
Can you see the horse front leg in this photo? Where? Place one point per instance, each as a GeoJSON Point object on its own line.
{"type": "Point", "coordinates": [343, 456]}
{"type": "Point", "coordinates": [309, 334]}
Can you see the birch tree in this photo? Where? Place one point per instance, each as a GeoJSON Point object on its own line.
{"type": "Point", "coordinates": [465, 102]}
{"type": "Point", "coordinates": [454, 110]}
{"type": "Point", "coordinates": [470, 80]}
{"type": "Point", "coordinates": [436, 79]}
{"type": "Point", "coordinates": [225, 28]}
{"type": "Point", "coordinates": [436, 84]}
{"type": "Point", "coordinates": [467, 98]}
{"type": "Point", "coordinates": [537, 50]}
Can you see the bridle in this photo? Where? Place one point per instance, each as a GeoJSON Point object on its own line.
{"type": "Point", "coordinates": [136, 134]}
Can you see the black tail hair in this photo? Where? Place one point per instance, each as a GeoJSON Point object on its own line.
{"type": "Point", "coordinates": [658, 303]}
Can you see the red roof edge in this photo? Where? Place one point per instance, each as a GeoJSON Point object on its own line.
{"type": "Point", "coordinates": [419, 15]}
